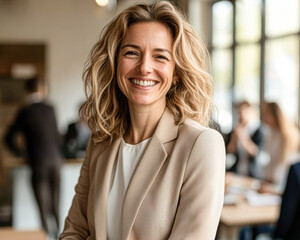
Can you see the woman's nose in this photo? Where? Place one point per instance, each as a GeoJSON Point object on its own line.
{"type": "Point", "coordinates": [145, 65]}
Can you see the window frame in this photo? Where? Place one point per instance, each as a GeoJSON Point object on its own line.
{"type": "Point", "coordinates": [262, 42]}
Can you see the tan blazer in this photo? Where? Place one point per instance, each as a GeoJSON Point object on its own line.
{"type": "Point", "coordinates": [176, 191]}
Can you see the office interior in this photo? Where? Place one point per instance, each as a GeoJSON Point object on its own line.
{"type": "Point", "coordinates": [254, 47]}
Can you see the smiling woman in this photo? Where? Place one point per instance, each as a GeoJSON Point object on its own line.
{"type": "Point", "coordinates": [194, 88]}
{"type": "Point", "coordinates": [153, 169]}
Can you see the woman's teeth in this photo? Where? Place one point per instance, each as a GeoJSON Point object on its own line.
{"type": "Point", "coordinates": [143, 83]}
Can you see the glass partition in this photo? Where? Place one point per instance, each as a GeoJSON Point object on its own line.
{"type": "Point", "coordinates": [282, 17]}
{"type": "Point", "coordinates": [254, 61]}
{"type": "Point", "coordinates": [222, 24]}
{"type": "Point", "coordinates": [282, 74]}
{"type": "Point", "coordinates": [248, 20]}
{"type": "Point", "coordinates": [247, 82]}
{"type": "Point", "coordinates": [222, 74]}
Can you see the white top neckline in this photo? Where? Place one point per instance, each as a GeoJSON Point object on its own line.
{"type": "Point", "coordinates": [135, 145]}
{"type": "Point", "coordinates": [127, 160]}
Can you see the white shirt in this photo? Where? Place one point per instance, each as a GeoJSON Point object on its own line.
{"type": "Point", "coordinates": [127, 159]}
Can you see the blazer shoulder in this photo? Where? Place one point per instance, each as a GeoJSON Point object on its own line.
{"type": "Point", "coordinates": [201, 131]}
{"type": "Point", "coordinates": [95, 149]}
{"type": "Point", "coordinates": [46, 105]}
{"type": "Point", "coordinates": [39, 106]}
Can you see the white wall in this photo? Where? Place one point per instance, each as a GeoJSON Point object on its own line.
{"type": "Point", "coordinates": [27, 218]}
{"type": "Point", "coordinates": [69, 28]}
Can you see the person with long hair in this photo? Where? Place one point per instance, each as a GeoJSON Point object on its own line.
{"type": "Point", "coordinates": [153, 169]}
{"type": "Point", "coordinates": [282, 146]}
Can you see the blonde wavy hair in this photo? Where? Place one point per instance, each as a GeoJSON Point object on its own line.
{"type": "Point", "coordinates": [106, 108]}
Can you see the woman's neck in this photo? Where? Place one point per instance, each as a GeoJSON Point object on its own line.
{"type": "Point", "coordinates": [143, 122]}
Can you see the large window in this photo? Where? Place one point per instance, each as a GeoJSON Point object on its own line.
{"type": "Point", "coordinates": [255, 55]}
{"type": "Point", "coordinates": [222, 29]}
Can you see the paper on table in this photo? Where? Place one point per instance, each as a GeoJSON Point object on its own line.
{"type": "Point", "coordinates": [257, 199]}
{"type": "Point", "coordinates": [230, 199]}
{"type": "Point", "coordinates": [236, 189]}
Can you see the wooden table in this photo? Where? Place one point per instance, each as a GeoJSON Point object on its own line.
{"type": "Point", "coordinates": [12, 234]}
{"type": "Point", "coordinates": [242, 214]}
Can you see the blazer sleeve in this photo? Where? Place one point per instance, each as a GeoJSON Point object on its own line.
{"type": "Point", "coordinates": [76, 224]}
{"type": "Point", "coordinates": [202, 193]}
{"type": "Point", "coordinates": [10, 136]}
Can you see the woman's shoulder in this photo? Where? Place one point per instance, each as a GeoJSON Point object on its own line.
{"type": "Point", "coordinates": [94, 148]}
{"type": "Point", "coordinates": [194, 134]}
{"type": "Point", "coordinates": [203, 141]}
{"type": "Point", "coordinates": [200, 130]}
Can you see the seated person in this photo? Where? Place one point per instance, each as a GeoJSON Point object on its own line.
{"type": "Point", "coordinates": [282, 140]}
{"type": "Point", "coordinates": [245, 141]}
{"type": "Point", "coordinates": [288, 225]}
{"type": "Point", "coordinates": [76, 139]}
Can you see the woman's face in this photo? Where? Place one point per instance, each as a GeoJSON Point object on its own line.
{"type": "Point", "coordinates": [145, 65]}
{"type": "Point", "coordinates": [267, 116]}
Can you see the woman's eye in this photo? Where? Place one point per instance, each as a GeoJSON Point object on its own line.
{"type": "Point", "coordinates": [130, 53]}
{"type": "Point", "coordinates": [162, 57]}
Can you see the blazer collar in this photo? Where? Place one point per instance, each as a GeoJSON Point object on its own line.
{"type": "Point", "coordinates": [142, 179]}
{"type": "Point", "coordinates": [103, 172]}
{"type": "Point", "coordinates": [147, 170]}
{"type": "Point", "coordinates": [167, 129]}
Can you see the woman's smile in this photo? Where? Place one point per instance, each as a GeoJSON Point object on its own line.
{"type": "Point", "coordinates": [143, 83]}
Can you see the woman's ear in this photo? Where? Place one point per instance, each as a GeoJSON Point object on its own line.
{"type": "Point", "coordinates": [175, 78]}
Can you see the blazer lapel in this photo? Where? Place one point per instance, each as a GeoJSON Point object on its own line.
{"type": "Point", "coordinates": [102, 177]}
{"type": "Point", "coordinates": [147, 170]}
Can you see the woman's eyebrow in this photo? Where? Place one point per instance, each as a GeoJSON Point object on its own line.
{"type": "Point", "coordinates": [130, 45]}
{"type": "Point", "coordinates": [155, 49]}
{"type": "Point", "coordinates": [162, 50]}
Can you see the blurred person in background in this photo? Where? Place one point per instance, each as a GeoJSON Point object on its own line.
{"type": "Point", "coordinates": [245, 141]}
{"type": "Point", "coordinates": [288, 224]}
{"type": "Point", "coordinates": [76, 139]}
{"type": "Point", "coordinates": [37, 122]}
{"type": "Point", "coordinates": [282, 147]}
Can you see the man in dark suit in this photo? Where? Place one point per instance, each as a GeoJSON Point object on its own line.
{"type": "Point", "coordinates": [36, 121]}
{"type": "Point", "coordinates": [288, 225]}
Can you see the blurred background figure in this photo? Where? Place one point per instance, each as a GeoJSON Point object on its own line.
{"type": "Point", "coordinates": [36, 121]}
{"type": "Point", "coordinates": [287, 227]}
{"type": "Point", "coordinates": [76, 139]}
{"type": "Point", "coordinates": [281, 145]}
{"type": "Point", "coordinates": [245, 141]}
